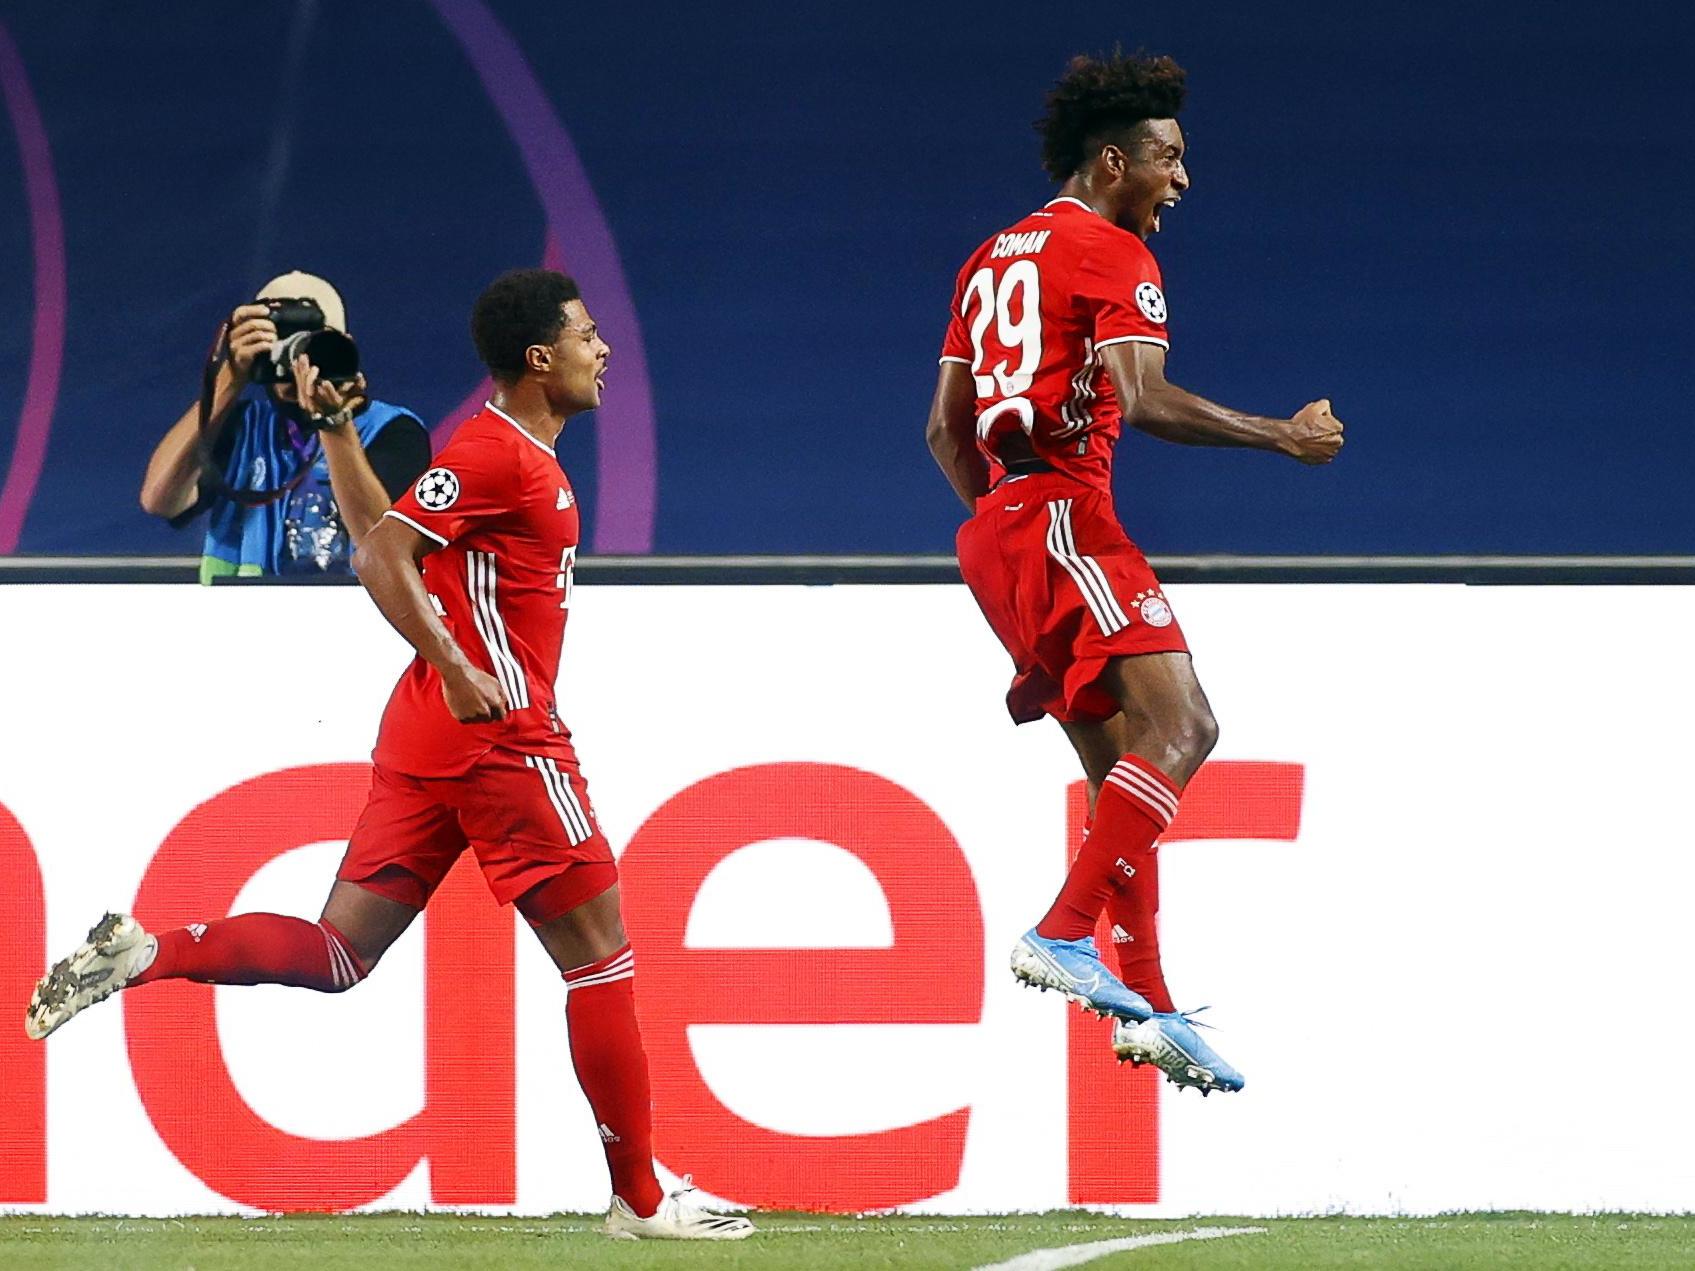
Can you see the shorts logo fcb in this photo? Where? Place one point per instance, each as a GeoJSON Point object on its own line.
{"type": "Point", "coordinates": [437, 490]}
{"type": "Point", "coordinates": [1151, 301]}
{"type": "Point", "coordinates": [1155, 612]}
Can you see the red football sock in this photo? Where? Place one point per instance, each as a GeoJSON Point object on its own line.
{"type": "Point", "coordinates": [1133, 912]}
{"type": "Point", "coordinates": [606, 1050]}
{"type": "Point", "coordinates": [257, 949]}
{"type": "Point", "coordinates": [1135, 805]}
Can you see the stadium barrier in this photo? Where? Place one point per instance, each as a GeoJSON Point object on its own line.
{"type": "Point", "coordinates": [1433, 881]}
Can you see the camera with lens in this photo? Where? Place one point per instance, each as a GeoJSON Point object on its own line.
{"type": "Point", "coordinates": [301, 330]}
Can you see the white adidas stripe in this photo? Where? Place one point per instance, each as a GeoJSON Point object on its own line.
{"type": "Point", "coordinates": [568, 796]}
{"type": "Point", "coordinates": [485, 612]}
{"type": "Point", "coordinates": [622, 968]}
{"type": "Point", "coordinates": [1154, 789]}
{"type": "Point", "coordinates": [342, 970]}
{"type": "Point", "coordinates": [563, 798]}
{"type": "Point", "coordinates": [1092, 566]}
{"type": "Point", "coordinates": [589, 982]}
{"type": "Point", "coordinates": [1157, 810]}
{"type": "Point", "coordinates": [1083, 570]}
{"type": "Point", "coordinates": [1075, 410]}
{"type": "Point", "coordinates": [1058, 553]}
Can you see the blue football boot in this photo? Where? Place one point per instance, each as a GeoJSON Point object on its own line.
{"type": "Point", "coordinates": [1076, 970]}
{"type": "Point", "coordinates": [1170, 1043]}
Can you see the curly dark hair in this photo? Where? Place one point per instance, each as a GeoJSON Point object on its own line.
{"type": "Point", "coordinates": [1098, 98]}
{"type": "Point", "coordinates": [518, 309]}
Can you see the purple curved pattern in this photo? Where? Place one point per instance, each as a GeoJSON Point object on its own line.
{"type": "Point", "coordinates": [626, 471]}
{"type": "Point", "coordinates": [47, 351]}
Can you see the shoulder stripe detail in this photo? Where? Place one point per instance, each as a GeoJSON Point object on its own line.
{"type": "Point", "coordinates": [528, 435]}
{"type": "Point", "coordinates": [401, 516]}
{"type": "Point", "coordinates": [1084, 570]}
{"type": "Point", "coordinates": [1135, 339]}
{"type": "Point", "coordinates": [563, 798]}
{"type": "Point", "coordinates": [480, 582]}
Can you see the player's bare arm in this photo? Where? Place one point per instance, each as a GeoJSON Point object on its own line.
{"type": "Point", "coordinates": [172, 481]}
{"type": "Point", "coordinates": [952, 433]}
{"type": "Point", "coordinates": [387, 565]}
{"type": "Point", "coordinates": [359, 492]}
{"type": "Point", "coordinates": [1160, 408]}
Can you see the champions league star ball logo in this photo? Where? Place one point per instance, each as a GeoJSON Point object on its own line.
{"type": "Point", "coordinates": [1151, 301]}
{"type": "Point", "coordinates": [437, 490]}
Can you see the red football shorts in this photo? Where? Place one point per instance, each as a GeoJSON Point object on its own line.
{"type": "Point", "coordinates": [1065, 590]}
{"type": "Point", "coordinates": [527, 818]}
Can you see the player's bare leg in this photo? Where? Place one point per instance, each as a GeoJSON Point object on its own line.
{"type": "Point", "coordinates": [330, 955]}
{"type": "Point", "coordinates": [592, 952]}
{"type": "Point", "coordinates": [1166, 724]}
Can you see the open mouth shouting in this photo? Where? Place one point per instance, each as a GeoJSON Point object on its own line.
{"type": "Point", "coordinates": [1164, 205]}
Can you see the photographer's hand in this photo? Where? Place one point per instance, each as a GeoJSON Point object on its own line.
{"type": "Point", "coordinates": [329, 404]}
{"type": "Point", "coordinates": [251, 333]}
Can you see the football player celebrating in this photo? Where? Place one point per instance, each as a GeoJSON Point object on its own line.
{"type": "Point", "coordinates": [1058, 337]}
{"type": "Point", "coordinates": [473, 567]}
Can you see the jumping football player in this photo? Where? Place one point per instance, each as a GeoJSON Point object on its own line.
{"type": "Point", "coordinates": [473, 567]}
{"type": "Point", "coordinates": [1057, 336]}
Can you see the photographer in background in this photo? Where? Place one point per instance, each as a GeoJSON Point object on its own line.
{"type": "Point", "coordinates": [291, 459]}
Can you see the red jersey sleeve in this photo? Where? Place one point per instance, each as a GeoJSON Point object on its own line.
{"type": "Point", "coordinates": [956, 344]}
{"type": "Point", "coordinates": [1119, 285]}
{"type": "Point", "coordinates": [472, 482]}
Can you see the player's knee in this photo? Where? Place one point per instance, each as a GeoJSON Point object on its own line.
{"type": "Point", "coordinates": [1199, 734]}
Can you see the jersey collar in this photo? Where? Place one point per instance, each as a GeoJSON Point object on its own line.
{"type": "Point", "coordinates": [528, 435]}
{"type": "Point", "coordinates": [1067, 198]}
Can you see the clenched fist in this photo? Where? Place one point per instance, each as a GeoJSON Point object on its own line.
{"type": "Point", "coordinates": [473, 696]}
{"type": "Point", "coordinates": [1314, 435]}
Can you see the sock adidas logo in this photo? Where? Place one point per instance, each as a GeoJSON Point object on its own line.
{"type": "Point", "coordinates": [195, 931]}
{"type": "Point", "coordinates": [606, 1135]}
{"type": "Point", "coordinates": [1121, 936]}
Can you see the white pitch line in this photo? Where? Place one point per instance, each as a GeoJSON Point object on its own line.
{"type": "Point", "coordinates": [1077, 1255]}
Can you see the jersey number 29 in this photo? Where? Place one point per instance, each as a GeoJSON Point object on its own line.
{"type": "Point", "coordinates": [997, 334]}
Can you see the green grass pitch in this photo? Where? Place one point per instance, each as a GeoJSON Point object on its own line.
{"type": "Point", "coordinates": [377, 1242]}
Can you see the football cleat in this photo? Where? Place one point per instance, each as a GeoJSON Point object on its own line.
{"type": "Point", "coordinates": [674, 1220]}
{"type": "Point", "coordinates": [1170, 1043]}
{"type": "Point", "coordinates": [116, 950]}
{"type": "Point", "coordinates": [1076, 970]}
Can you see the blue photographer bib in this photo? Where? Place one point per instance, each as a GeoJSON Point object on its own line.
{"type": "Point", "coordinates": [300, 533]}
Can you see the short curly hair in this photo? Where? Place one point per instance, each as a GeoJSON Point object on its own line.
{"type": "Point", "coordinates": [1099, 98]}
{"type": "Point", "coordinates": [520, 308]}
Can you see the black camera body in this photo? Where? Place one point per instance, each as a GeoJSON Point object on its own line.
{"type": "Point", "coordinates": [300, 329]}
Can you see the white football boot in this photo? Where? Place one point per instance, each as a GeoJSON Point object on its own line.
{"type": "Point", "coordinates": [116, 950]}
{"type": "Point", "coordinates": [1170, 1043]}
{"type": "Point", "coordinates": [674, 1220]}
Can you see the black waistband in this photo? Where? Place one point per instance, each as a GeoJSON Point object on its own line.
{"type": "Point", "coordinates": [1025, 467]}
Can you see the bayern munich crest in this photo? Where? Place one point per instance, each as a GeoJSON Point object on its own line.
{"type": "Point", "coordinates": [437, 489]}
{"type": "Point", "coordinates": [1151, 301]}
{"type": "Point", "coordinates": [1155, 612]}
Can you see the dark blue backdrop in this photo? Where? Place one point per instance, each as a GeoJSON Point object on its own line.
{"type": "Point", "coordinates": [1467, 225]}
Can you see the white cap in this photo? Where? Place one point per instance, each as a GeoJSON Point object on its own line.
{"type": "Point", "coordinates": [298, 286]}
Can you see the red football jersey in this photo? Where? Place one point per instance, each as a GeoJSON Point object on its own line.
{"type": "Point", "coordinates": [1032, 309]}
{"type": "Point", "coordinates": [505, 517]}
